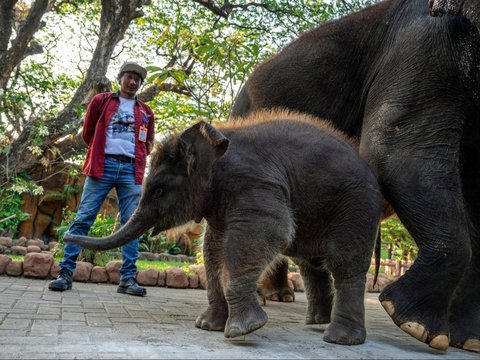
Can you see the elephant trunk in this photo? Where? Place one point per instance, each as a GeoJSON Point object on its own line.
{"type": "Point", "coordinates": [136, 226]}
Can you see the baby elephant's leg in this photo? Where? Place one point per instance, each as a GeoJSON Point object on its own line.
{"type": "Point", "coordinates": [215, 317]}
{"type": "Point", "coordinates": [250, 247]}
{"type": "Point", "coordinates": [347, 325]}
{"type": "Point", "coordinates": [319, 290]}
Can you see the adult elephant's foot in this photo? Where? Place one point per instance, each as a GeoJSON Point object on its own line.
{"type": "Point", "coordinates": [465, 335]}
{"type": "Point", "coordinates": [273, 284]}
{"type": "Point", "coordinates": [345, 334]}
{"type": "Point", "coordinates": [213, 319]}
{"type": "Point", "coordinates": [419, 309]}
{"type": "Point", "coordinates": [465, 322]}
{"type": "Point", "coordinates": [282, 294]}
{"type": "Point", "coordinates": [246, 316]}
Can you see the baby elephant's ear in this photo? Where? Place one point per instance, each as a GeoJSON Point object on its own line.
{"type": "Point", "coordinates": [210, 134]}
{"type": "Point", "coordinates": [214, 138]}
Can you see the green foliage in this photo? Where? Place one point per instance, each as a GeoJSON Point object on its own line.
{"type": "Point", "coordinates": [211, 56]}
{"type": "Point", "coordinates": [11, 214]}
{"type": "Point", "coordinates": [158, 244]}
{"type": "Point", "coordinates": [154, 244]}
{"type": "Point", "coordinates": [103, 226]}
{"type": "Point", "coordinates": [10, 211]}
{"type": "Point", "coordinates": [398, 243]}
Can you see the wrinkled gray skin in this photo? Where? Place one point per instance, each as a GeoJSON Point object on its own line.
{"type": "Point", "coordinates": [406, 85]}
{"type": "Point", "coordinates": [470, 9]}
{"type": "Point", "coordinates": [268, 187]}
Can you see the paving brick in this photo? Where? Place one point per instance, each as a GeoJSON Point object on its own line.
{"type": "Point", "coordinates": [12, 323]}
{"type": "Point", "coordinates": [93, 321]}
{"type": "Point", "coordinates": [73, 316]}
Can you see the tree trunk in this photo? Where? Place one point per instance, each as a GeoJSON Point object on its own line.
{"type": "Point", "coordinates": [115, 19]}
{"type": "Point", "coordinates": [10, 58]}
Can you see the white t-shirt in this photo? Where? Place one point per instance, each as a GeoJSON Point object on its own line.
{"type": "Point", "coordinates": [121, 130]}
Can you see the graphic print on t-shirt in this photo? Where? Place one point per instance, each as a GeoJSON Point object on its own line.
{"type": "Point", "coordinates": [121, 130]}
{"type": "Point", "coordinates": [123, 125]}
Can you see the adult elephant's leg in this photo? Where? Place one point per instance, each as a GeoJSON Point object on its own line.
{"type": "Point", "coordinates": [416, 156]}
{"type": "Point", "coordinates": [273, 283]}
{"type": "Point", "coordinates": [319, 290]}
{"type": "Point", "coordinates": [465, 308]}
{"type": "Point", "coordinates": [215, 317]}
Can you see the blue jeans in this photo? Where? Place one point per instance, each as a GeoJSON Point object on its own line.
{"type": "Point", "coordinates": [118, 175]}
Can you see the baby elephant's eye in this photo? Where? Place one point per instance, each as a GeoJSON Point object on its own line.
{"type": "Point", "coordinates": [158, 192]}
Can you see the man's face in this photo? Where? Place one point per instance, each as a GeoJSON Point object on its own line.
{"type": "Point", "coordinates": [129, 84]}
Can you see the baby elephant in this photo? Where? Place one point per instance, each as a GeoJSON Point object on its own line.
{"type": "Point", "coordinates": [275, 183]}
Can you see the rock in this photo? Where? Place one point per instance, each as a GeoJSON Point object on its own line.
{"type": "Point", "coordinates": [3, 248]}
{"type": "Point", "coordinates": [297, 281]}
{"type": "Point", "coordinates": [164, 257]}
{"type": "Point", "coordinates": [46, 209]}
{"type": "Point", "coordinates": [148, 277]}
{"type": "Point", "coordinates": [82, 271]}
{"type": "Point", "coordinates": [36, 242]}
{"type": "Point", "coordinates": [37, 265]}
{"type": "Point", "coordinates": [162, 277]}
{"type": "Point", "coordinates": [145, 255]}
{"type": "Point", "coordinates": [183, 236]}
{"type": "Point", "coordinates": [6, 241]}
{"type": "Point", "coordinates": [19, 250]}
{"type": "Point", "coordinates": [6, 233]}
{"type": "Point", "coordinates": [113, 270]}
{"type": "Point", "coordinates": [290, 285]}
{"type": "Point", "coordinates": [181, 258]}
{"type": "Point", "coordinates": [99, 275]}
{"type": "Point", "coordinates": [14, 268]}
{"type": "Point", "coordinates": [54, 270]}
{"type": "Point", "coordinates": [4, 261]}
{"type": "Point", "coordinates": [22, 241]}
{"type": "Point", "coordinates": [176, 278]}
{"type": "Point", "coordinates": [382, 282]}
{"type": "Point", "coordinates": [33, 249]}
{"type": "Point", "coordinates": [193, 281]}
{"type": "Point", "coordinates": [52, 245]}
{"type": "Point", "coordinates": [202, 275]}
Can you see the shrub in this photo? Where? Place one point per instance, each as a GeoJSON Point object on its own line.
{"type": "Point", "coordinates": [398, 243]}
{"type": "Point", "coordinates": [11, 214]}
{"type": "Point", "coordinates": [103, 226]}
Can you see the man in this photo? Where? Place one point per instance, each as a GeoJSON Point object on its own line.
{"type": "Point", "coordinates": [119, 132]}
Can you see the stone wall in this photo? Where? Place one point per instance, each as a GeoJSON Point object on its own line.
{"type": "Point", "coordinates": [39, 263]}
{"type": "Point", "coordinates": [46, 210]}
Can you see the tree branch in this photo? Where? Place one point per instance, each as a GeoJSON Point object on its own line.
{"type": "Point", "coordinates": [115, 20]}
{"type": "Point", "coordinates": [13, 56]}
{"type": "Point", "coordinates": [151, 92]}
{"type": "Point", "coordinates": [6, 22]}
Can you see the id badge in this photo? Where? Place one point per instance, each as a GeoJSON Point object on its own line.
{"type": "Point", "coordinates": [142, 134]}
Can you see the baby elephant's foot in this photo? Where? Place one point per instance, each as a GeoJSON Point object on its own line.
{"type": "Point", "coordinates": [245, 317]}
{"type": "Point", "coordinates": [317, 318]}
{"type": "Point", "coordinates": [213, 319]}
{"type": "Point", "coordinates": [345, 335]}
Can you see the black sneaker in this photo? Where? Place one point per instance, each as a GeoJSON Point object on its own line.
{"type": "Point", "coordinates": [63, 282]}
{"type": "Point", "coordinates": [131, 287]}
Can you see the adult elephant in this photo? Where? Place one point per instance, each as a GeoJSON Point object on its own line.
{"type": "Point", "coordinates": [406, 85]}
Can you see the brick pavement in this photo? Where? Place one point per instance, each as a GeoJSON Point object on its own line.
{"type": "Point", "coordinates": [93, 321]}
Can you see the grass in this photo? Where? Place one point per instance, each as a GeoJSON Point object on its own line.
{"type": "Point", "coordinates": [17, 258]}
{"type": "Point", "coordinates": [163, 265]}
